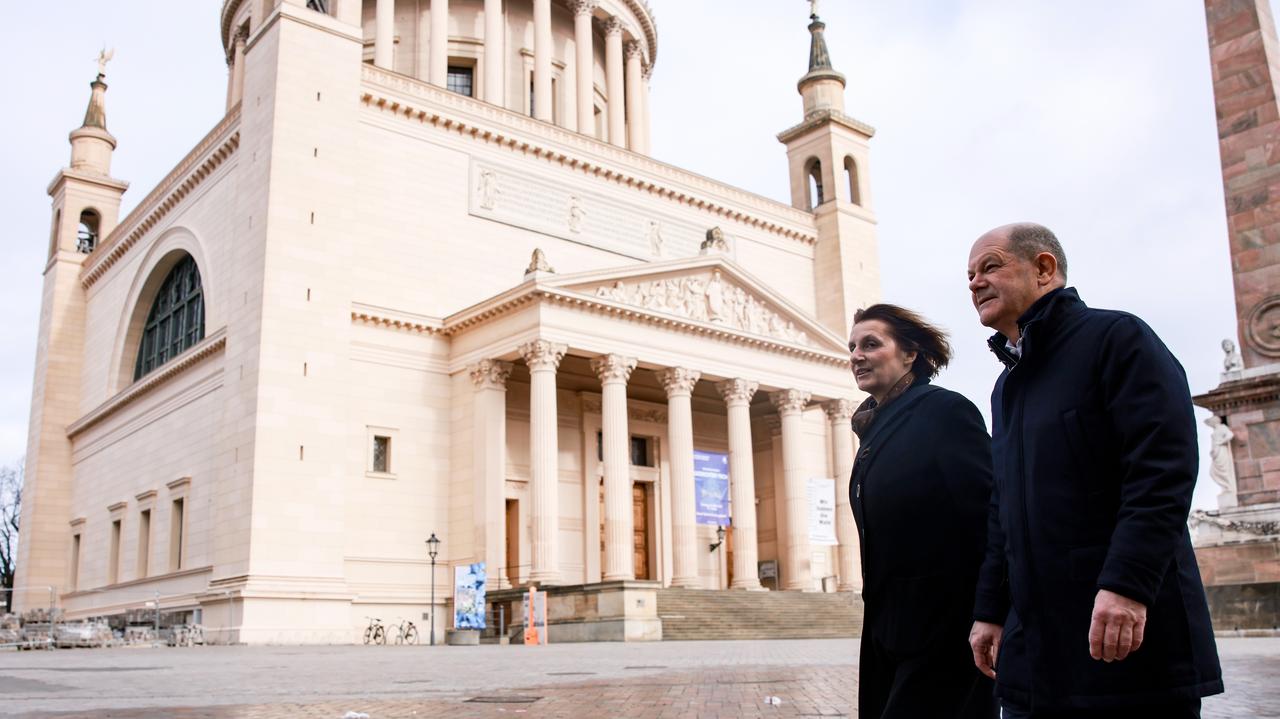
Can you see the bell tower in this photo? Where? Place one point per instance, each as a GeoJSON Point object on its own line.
{"type": "Point", "coordinates": [86, 206]}
{"type": "Point", "coordinates": [828, 154]}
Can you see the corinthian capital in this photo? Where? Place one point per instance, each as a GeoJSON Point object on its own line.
{"type": "Point", "coordinates": [583, 7]}
{"type": "Point", "coordinates": [490, 374]}
{"type": "Point", "coordinates": [612, 26]}
{"type": "Point", "coordinates": [840, 410]}
{"type": "Point", "coordinates": [542, 354]}
{"type": "Point", "coordinates": [613, 368]}
{"type": "Point", "coordinates": [789, 400]}
{"type": "Point", "coordinates": [737, 390]}
{"type": "Point", "coordinates": [633, 50]}
{"type": "Point", "coordinates": [678, 380]}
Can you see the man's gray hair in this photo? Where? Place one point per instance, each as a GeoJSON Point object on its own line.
{"type": "Point", "coordinates": [1027, 239]}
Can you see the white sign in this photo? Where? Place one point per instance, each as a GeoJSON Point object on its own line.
{"type": "Point", "coordinates": [822, 511]}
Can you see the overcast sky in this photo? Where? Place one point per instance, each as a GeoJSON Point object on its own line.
{"type": "Point", "coordinates": [1094, 117]}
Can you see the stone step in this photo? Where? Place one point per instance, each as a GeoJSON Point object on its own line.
{"type": "Point", "coordinates": [689, 614]}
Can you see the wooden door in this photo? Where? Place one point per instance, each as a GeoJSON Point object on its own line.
{"type": "Point", "coordinates": [640, 525]}
{"type": "Point", "coordinates": [512, 569]}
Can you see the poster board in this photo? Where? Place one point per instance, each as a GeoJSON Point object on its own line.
{"type": "Point", "coordinates": [711, 487]}
{"type": "Point", "coordinates": [469, 582]}
{"type": "Point", "coordinates": [822, 511]}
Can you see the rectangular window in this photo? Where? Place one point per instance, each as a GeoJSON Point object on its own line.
{"type": "Point", "coordinates": [176, 517]}
{"type": "Point", "coordinates": [113, 568]}
{"type": "Point", "coordinates": [461, 80]}
{"type": "Point", "coordinates": [74, 579]}
{"type": "Point", "coordinates": [640, 456]}
{"type": "Point", "coordinates": [381, 454]}
{"type": "Point", "coordinates": [144, 541]}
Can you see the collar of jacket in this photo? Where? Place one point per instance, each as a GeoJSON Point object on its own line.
{"type": "Point", "coordinates": [1046, 309]}
{"type": "Point", "coordinates": [891, 410]}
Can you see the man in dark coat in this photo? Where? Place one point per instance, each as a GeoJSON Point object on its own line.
{"type": "Point", "coordinates": [1089, 601]}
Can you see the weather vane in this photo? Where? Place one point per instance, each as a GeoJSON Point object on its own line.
{"type": "Point", "coordinates": [104, 57]}
{"type": "Point", "coordinates": [813, 9]}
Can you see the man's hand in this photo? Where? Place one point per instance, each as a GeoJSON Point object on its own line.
{"type": "Point", "coordinates": [1117, 626]}
{"type": "Point", "coordinates": [984, 639]}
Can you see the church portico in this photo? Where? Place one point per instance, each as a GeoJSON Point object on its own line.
{"type": "Point", "coordinates": [633, 390]}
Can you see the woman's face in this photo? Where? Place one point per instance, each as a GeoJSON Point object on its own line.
{"type": "Point", "coordinates": [878, 362]}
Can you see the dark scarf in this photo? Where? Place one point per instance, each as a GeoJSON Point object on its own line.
{"type": "Point", "coordinates": [867, 411]}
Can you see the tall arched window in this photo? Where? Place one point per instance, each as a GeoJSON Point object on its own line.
{"type": "Point", "coordinates": [814, 181]}
{"type": "Point", "coordinates": [176, 320]}
{"type": "Point", "coordinates": [851, 174]}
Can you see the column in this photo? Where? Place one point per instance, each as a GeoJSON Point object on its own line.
{"type": "Point", "coordinates": [644, 111]}
{"type": "Point", "coordinates": [619, 532]}
{"type": "Point", "coordinates": [613, 81]}
{"type": "Point", "coordinates": [585, 64]}
{"type": "Point", "coordinates": [438, 47]}
{"type": "Point", "coordinates": [384, 32]}
{"type": "Point", "coordinates": [495, 60]}
{"type": "Point", "coordinates": [679, 382]}
{"type": "Point", "coordinates": [489, 459]}
{"type": "Point", "coordinates": [796, 571]}
{"type": "Point", "coordinates": [542, 61]}
{"type": "Point", "coordinates": [635, 116]}
{"type": "Point", "coordinates": [543, 358]}
{"type": "Point", "coordinates": [737, 395]}
{"type": "Point", "coordinates": [843, 446]}
{"type": "Point", "coordinates": [237, 72]}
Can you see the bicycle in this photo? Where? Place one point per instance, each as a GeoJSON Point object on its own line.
{"type": "Point", "coordinates": [375, 633]}
{"type": "Point", "coordinates": [406, 632]}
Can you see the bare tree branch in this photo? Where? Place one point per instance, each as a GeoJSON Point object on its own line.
{"type": "Point", "coordinates": [10, 514]}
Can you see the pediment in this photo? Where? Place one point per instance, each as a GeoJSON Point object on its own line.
{"type": "Point", "coordinates": [707, 290]}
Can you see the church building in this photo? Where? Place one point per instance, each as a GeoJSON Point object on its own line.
{"type": "Point", "coordinates": [423, 278]}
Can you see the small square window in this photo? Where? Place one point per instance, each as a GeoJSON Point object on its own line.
{"type": "Point", "coordinates": [640, 456]}
{"type": "Point", "coordinates": [461, 79]}
{"type": "Point", "coordinates": [381, 454]}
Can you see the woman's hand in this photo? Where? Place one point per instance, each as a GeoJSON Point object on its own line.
{"type": "Point", "coordinates": [984, 639]}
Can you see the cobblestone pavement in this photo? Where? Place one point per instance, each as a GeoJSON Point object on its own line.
{"type": "Point", "coordinates": [809, 678]}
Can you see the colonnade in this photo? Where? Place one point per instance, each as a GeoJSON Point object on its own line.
{"type": "Point", "coordinates": [626, 72]}
{"type": "Point", "coordinates": [614, 370]}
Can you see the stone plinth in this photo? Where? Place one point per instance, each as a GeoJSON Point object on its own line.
{"type": "Point", "coordinates": [622, 611]}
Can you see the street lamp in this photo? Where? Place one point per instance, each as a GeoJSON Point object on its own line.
{"type": "Point", "coordinates": [719, 539]}
{"type": "Point", "coordinates": [433, 548]}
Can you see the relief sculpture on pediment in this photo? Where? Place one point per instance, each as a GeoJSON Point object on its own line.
{"type": "Point", "coordinates": [706, 298]}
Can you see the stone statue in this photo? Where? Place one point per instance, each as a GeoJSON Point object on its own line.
{"type": "Point", "coordinates": [489, 189]}
{"type": "Point", "coordinates": [538, 263]}
{"type": "Point", "coordinates": [715, 242]}
{"type": "Point", "coordinates": [104, 57]}
{"type": "Point", "coordinates": [715, 298]}
{"type": "Point", "coordinates": [655, 238]}
{"type": "Point", "coordinates": [577, 214]}
{"type": "Point", "coordinates": [1222, 467]}
{"type": "Point", "coordinates": [1232, 362]}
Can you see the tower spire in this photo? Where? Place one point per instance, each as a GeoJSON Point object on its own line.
{"type": "Point", "coordinates": [91, 144]}
{"type": "Point", "coordinates": [819, 57]}
{"type": "Point", "coordinates": [821, 87]}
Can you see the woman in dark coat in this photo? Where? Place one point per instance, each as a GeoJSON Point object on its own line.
{"type": "Point", "coordinates": [919, 491]}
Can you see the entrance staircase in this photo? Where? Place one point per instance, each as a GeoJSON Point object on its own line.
{"type": "Point", "coordinates": [690, 614]}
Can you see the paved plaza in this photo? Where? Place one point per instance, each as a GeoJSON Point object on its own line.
{"type": "Point", "coordinates": [783, 678]}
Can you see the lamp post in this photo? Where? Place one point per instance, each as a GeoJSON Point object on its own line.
{"type": "Point", "coordinates": [719, 539]}
{"type": "Point", "coordinates": [433, 548]}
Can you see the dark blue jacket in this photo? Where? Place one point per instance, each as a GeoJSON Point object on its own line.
{"type": "Point", "coordinates": [1094, 460]}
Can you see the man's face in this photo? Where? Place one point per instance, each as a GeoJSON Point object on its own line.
{"type": "Point", "coordinates": [1001, 284]}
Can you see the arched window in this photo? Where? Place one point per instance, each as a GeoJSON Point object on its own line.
{"type": "Point", "coordinates": [851, 174]}
{"type": "Point", "coordinates": [814, 182]}
{"type": "Point", "coordinates": [176, 320]}
{"type": "Point", "coordinates": [87, 234]}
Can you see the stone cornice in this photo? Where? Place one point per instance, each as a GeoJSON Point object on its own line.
{"type": "Point", "coordinates": [821, 118]}
{"type": "Point", "coordinates": [208, 346]}
{"type": "Point", "coordinates": [488, 123]}
{"type": "Point", "coordinates": [221, 142]}
{"type": "Point", "coordinates": [394, 319]}
{"type": "Point", "coordinates": [1235, 395]}
{"type": "Point", "coordinates": [92, 178]}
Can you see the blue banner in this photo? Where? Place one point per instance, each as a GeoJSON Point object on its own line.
{"type": "Point", "coordinates": [711, 483]}
{"type": "Point", "coordinates": [468, 596]}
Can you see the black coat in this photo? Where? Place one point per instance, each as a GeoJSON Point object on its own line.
{"type": "Point", "coordinates": [1094, 453]}
{"type": "Point", "coordinates": [919, 492]}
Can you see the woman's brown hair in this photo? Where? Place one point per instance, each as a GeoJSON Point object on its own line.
{"type": "Point", "coordinates": [913, 334]}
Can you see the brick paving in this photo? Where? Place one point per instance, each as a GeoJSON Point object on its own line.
{"type": "Point", "coordinates": [809, 678]}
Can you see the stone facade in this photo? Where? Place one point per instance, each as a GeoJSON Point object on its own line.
{"type": "Point", "coordinates": [380, 361]}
